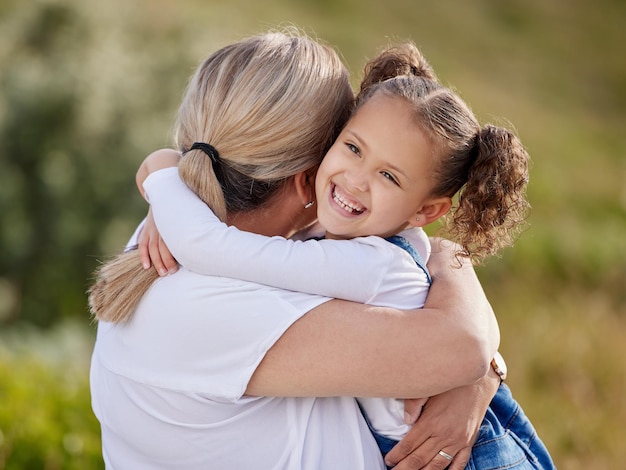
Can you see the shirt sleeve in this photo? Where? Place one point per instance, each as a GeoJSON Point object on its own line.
{"type": "Point", "coordinates": [134, 239]}
{"type": "Point", "coordinates": [346, 269]}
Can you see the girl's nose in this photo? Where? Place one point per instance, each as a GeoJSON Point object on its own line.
{"type": "Point", "coordinates": [357, 179]}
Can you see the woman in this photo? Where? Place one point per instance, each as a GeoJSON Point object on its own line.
{"type": "Point", "coordinates": [210, 371]}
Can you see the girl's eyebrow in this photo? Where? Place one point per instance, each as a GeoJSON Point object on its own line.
{"type": "Point", "coordinates": [355, 135]}
{"type": "Point", "coordinates": [398, 170]}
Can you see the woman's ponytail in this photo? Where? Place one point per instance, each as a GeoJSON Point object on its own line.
{"type": "Point", "coordinates": [122, 281]}
{"type": "Point", "coordinates": [200, 175]}
{"type": "Point", "coordinates": [119, 286]}
{"type": "Point", "coordinates": [251, 118]}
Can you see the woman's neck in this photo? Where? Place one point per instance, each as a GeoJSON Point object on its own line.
{"type": "Point", "coordinates": [274, 220]}
{"type": "Point", "coordinates": [258, 221]}
{"type": "Point", "coordinates": [283, 215]}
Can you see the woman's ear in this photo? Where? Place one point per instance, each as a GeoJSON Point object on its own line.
{"type": "Point", "coordinates": [305, 185]}
{"type": "Point", "coordinates": [431, 211]}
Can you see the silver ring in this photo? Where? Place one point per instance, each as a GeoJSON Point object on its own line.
{"type": "Point", "coordinates": [445, 455]}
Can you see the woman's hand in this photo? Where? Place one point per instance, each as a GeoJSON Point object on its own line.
{"type": "Point", "coordinates": [449, 422]}
{"type": "Point", "coordinates": [153, 250]}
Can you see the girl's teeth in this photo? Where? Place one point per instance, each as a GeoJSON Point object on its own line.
{"type": "Point", "coordinates": [350, 207]}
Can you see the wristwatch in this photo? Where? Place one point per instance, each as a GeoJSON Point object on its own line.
{"type": "Point", "coordinates": [499, 366]}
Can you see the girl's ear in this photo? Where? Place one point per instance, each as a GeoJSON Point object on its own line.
{"type": "Point", "coordinates": [305, 185]}
{"type": "Point", "coordinates": [431, 211]}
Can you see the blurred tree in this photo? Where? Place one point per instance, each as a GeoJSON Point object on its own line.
{"type": "Point", "coordinates": [68, 155]}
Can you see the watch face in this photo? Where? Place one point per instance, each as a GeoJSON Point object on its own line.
{"type": "Point", "coordinates": [499, 366]}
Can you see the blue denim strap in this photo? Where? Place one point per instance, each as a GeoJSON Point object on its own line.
{"type": "Point", "coordinates": [406, 245]}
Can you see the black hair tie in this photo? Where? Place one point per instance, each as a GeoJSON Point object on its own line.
{"type": "Point", "coordinates": [208, 149]}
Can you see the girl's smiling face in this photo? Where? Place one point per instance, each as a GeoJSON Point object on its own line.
{"type": "Point", "coordinates": [376, 179]}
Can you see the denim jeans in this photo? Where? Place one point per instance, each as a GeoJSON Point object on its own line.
{"type": "Point", "coordinates": [506, 439]}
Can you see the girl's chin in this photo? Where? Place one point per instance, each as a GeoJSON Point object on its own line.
{"type": "Point", "coordinates": [334, 236]}
{"type": "Point", "coordinates": [340, 232]}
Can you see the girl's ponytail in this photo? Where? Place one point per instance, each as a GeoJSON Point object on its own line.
{"type": "Point", "coordinates": [492, 203]}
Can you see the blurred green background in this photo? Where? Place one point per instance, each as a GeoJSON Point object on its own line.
{"type": "Point", "coordinates": [88, 88]}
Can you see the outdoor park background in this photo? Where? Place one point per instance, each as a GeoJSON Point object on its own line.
{"type": "Point", "coordinates": [88, 88]}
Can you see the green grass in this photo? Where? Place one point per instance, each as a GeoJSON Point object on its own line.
{"type": "Point", "coordinates": [565, 349]}
{"type": "Point", "coordinates": [46, 420]}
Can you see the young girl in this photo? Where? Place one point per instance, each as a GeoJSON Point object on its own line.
{"type": "Point", "coordinates": [409, 148]}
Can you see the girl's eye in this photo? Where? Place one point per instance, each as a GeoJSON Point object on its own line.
{"type": "Point", "coordinates": [354, 149]}
{"type": "Point", "coordinates": [390, 177]}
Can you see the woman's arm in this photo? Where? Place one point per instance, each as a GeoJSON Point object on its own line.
{"type": "Point", "coordinates": [342, 348]}
{"type": "Point", "coordinates": [348, 269]}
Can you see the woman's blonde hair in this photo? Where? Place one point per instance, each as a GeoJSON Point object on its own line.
{"type": "Point", "coordinates": [271, 105]}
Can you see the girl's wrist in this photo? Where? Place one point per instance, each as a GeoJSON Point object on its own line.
{"type": "Point", "coordinates": [164, 158]}
{"type": "Point", "coordinates": [159, 160]}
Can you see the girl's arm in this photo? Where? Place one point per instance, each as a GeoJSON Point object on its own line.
{"type": "Point", "coordinates": [345, 349]}
{"type": "Point", "coordinates": [159, 160]}
{"type": "Point", "coordinates": [348, 269]}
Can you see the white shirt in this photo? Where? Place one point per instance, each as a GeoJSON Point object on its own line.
{"type": "Point", "coordinates": [366, 269]}
{"type": "Point", "coordinates": [168, 386]}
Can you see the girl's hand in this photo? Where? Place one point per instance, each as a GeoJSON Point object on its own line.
{"type": "Point", "coordinates": [153, 250]}
{"type": "Point", "coordinates": [449, 422]}
{"type": "Point", "coordinates": [413, 409]}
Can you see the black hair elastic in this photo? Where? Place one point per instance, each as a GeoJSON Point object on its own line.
{"type": "Point", "coordinates": [208, 149]}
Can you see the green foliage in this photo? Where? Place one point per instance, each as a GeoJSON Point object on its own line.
{"type": "Point", "coordinates": [73, 131]}
{"type": "Point", "coordinates": [88, 88]}
{"type": "Point", "coordinates": [45, 417]}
